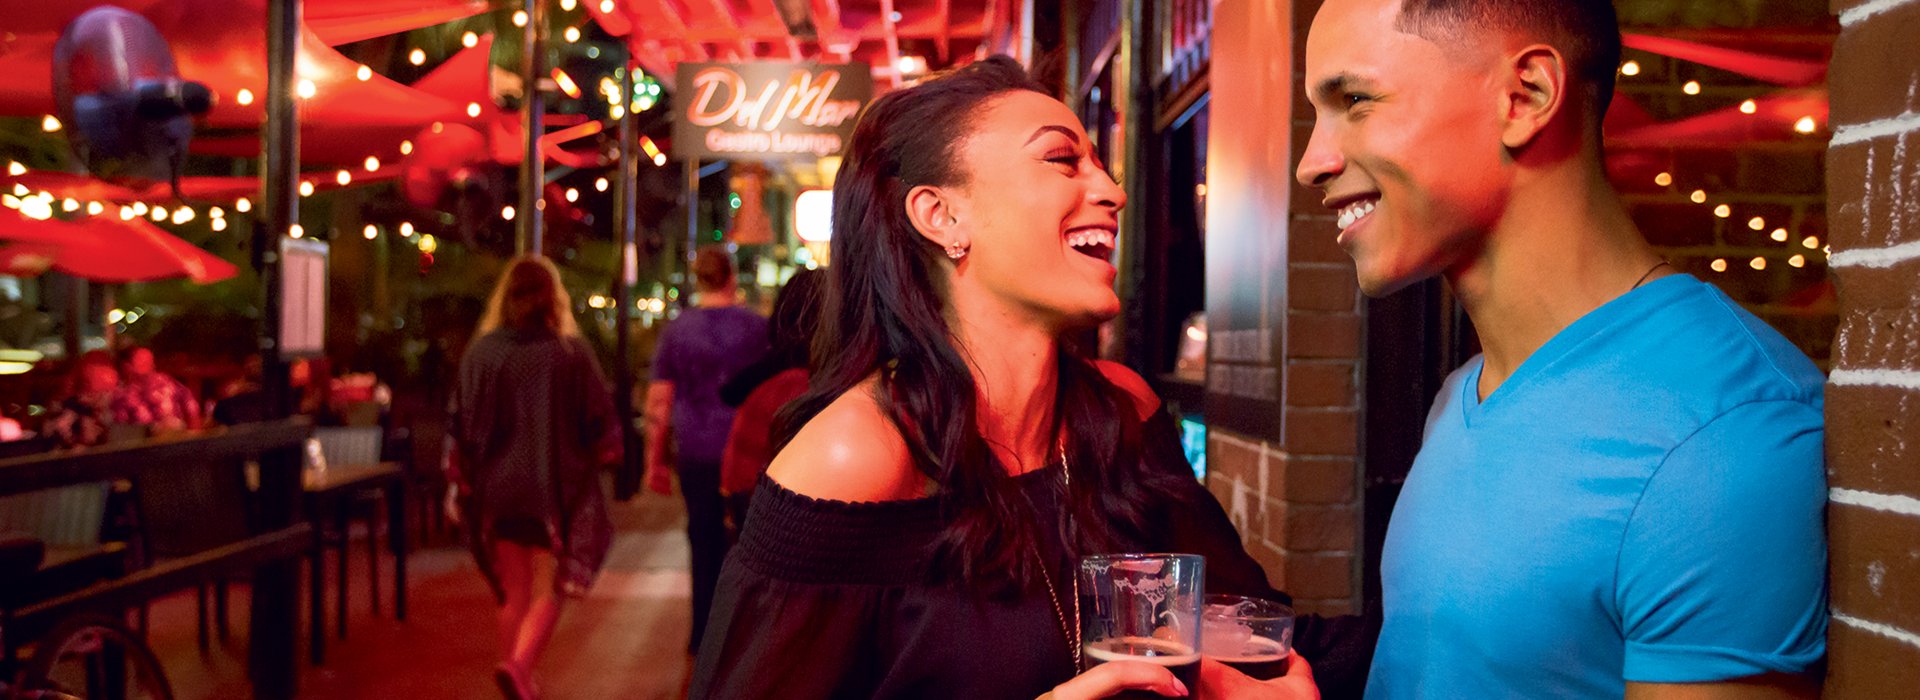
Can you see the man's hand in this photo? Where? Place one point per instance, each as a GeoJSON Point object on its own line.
{"type": "Point", "coordinates": [1108, 679]}
{"type": "Point", "coordinates": [1218, 680]}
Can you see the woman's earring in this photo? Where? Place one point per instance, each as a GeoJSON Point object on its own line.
{"type": "Point", "coordinates": [956, 251]}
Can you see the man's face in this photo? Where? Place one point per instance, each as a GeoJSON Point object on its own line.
{"type": "Point", "coordinates": [1406, 143]}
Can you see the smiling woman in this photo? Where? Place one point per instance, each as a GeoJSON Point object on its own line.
{"type": "Point", "coordinates": [955, 455]}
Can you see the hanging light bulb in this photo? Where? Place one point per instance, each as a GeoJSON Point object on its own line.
{"type": "Point", "coordinates": [406, 148]}
{"type": "Point", "coordinates": [371, 232]}
{"type": "Point", "coordinates": [343, 177]}
{"type": "Point", "coordinates": [1806, 125]}
{"type": "Point", "coordinates": [519, 18]}
{"type": "Point", "coordinates": [659, 159]}
{"type": "Point", "coordinates": [600, 185]}
{"type": "Point", "coordinates": [306, 89]}
{"type": "Point", "coordinates": [94, 208]}
{"type": "Point", "coordinates": [1663, 179]}
{"type": "Point", "coordinates": [182, 215]}
{"type": "Point", "coordinates": [1779, 235]}
{"type": "Point", "coordinates": [49, 124]}
{"type": "Point", "coordinates": [219, 225]}
{"type": "Point", "coordinates": [1723, 211]}
{"type": "Point", "coordinates": [1749, 107]}
{"type": "Point", "coordinates": [606, 6]}
{"type": "Point", "coordinates": [573, 195]}
{"type": "Point", "coordinates": [242, 205]}
{"type": "Point", "coordinates": [139, 208]}
{"type": "Point", "coordinates": [363, 73]}
{"type": "Point", "coordinates": [126, 213]}
{"type": "Point", "coordinates": [469, 40]}
{"type": "Point", "coordinates": [1630, 68]}
{"type": "Point", "coordinates": [568, 5]}
{"type": "Point", "coordinates": [406, 229]}
{"type": "Point", "coordinates": [1758, 263]}
{"type": "Point", "coordinates": [1810, 242]}
{"type": "Point", "coordinates": [296, 231]}
{"type": "Point", "coordinates": [1797, 260]}
{"type": "Point", "coordinates": [572, 34]}
{"type": "Point", "coordinates": [15, 169]}
{"type": "Point", "coordinates": [1719, 265]}
{"type": "Point", "coordinates": [1698, 196]}
{"type": "Point", "coordinates": [244, 97]}
{"type": "Point", "coordinates": [1757, 223]}
{"type": "Point", "coordinates": [372, 164]}
{"type": "Point", "coordinates": [1692, 87]}
{"type": "Point", "coordinates": [306, 189]}
{"type": "Point", "coordinates": [70, 204]}
{"type": "Point", "coordinates": [506, 212]}
{"type": "Point", "coordinates": [417, 57]}
{"type": "Point", "coordinates": [217, 212]}
{"type": "Point", "coordinates": [158, 214]}
{"type": "Point", "coordinates": [473, 109]}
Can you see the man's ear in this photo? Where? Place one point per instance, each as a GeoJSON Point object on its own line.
{"type": "Point", "coordinates": [932, 215]}
{"type": "Point", "coordinates": [1535, 92]}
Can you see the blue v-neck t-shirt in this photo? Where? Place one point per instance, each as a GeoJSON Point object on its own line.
{"type": "Point", "coordinates": [1642, 500]}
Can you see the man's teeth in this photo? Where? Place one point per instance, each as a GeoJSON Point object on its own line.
{"type": "Point", "coordinates": [1080, 239]}
{"type": "Point", "coordinates": [1353, 213]}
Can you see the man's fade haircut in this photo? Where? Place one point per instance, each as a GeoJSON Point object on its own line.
{"type": "Point", "coordinates": [1587, 33]}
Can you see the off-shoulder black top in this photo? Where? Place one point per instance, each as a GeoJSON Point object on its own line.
{"type": "Point", "coordinates": [830, 599]}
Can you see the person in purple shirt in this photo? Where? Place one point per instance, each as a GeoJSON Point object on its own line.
{"type": "Point", "coordinates": [703, 348]}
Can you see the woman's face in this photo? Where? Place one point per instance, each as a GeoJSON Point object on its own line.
{"type": "Point", "coordinates": [1039, 211]}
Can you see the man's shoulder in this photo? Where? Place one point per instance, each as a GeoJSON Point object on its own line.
{"type": "Point", "coordinates": [1733, 356]}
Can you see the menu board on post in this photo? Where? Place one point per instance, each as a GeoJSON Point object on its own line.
{"type": "Point", "coordinates": [303, 298]}
{"type": "Point", "coordinates": [766, 110]}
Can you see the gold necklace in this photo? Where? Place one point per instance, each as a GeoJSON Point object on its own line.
{"type": "Point", "coordinates": [1070, 633]}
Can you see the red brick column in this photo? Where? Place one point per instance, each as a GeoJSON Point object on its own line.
{"type": "Point", "coordinates": [1293, 492]}
{"type": "Point", "coordinates": [1873, 395]}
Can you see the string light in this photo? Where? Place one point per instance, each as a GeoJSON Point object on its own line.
{"type": "Point", "coordinates": [363, 73]}
{"type": "Point", "coordinates": [616, 112]}
{"type": "Point", "coordinates": [506, 212]}
{"type": "Point", "coordinates": [242, 205]}
{"type": "Point", "coordinates": [428, 244]}
{"type": "Point", "coordinates": [1749, 107]}
{"type": "Point", "coordinates": [606, 6]}
{"type": "Point", "coordinates": [15, 169]}
{"type": "Point", "coordinates": [572, 34]}
{"type": "Point", "coordinates": [437, 127]}
{"type": "Point", "coordinates": [20, 190]}
{"type": "Point", "coordinates": [94, 208]}
{"type": "Point", "coordinates": [1797, 260]}
{"type": "Point", "coordinates": [417, 57]}
{"type": "Point", "coordinates": [1630, 68]}
{"type": "Point", "coordinates": [343, 177]}
{"type": "Point", "coordinates": [1780, 235]}
{"type": "Point", "coordinates": [1723, 211]}
{"type": "Point", "coordinates": [306, 189]}
{"type": "Point", "coordinates": [519, 18]}
{"type": "Point", "coordinates": [1692, 87]}
{"type": "Point", "coordinates": [1758, 263]}
{"type": "Point", "coordinates": [219, 225]}
{"type": "Point", "coordinates": [600, 185]}
{"type": "Point", "coordinates": [296, 231]}
{"type": "Point", "coordinates": [182, 215]}
{"type": "Point", "coordinates": [573, 195]}
{"type": "Point", "coordinates": [371, 232]}
{"type": "Point", "coordinates": [1698, 196]}
{"type": "Point", "coordinates": [406, 229]}
{"type": "Point", "coordinates": [126, 213]}
{"type": "Point", "coordinates": [469, 40]}
{"type": "Point", "coordinates": [217, 212]}
{"type": "Point", "coordinates": [49, 124]}
{"type": "Point", "coordinates": [659, 159]}
{"type": "Point", "coordinates": [306, 89]}
{"type": "Point", "coordinates": [244, 97]}
{"type": "Point", "coordinates": [70, 204]}
{"type": "Point", "coordinates": [1811, 242]}
{"type": "Point", "coordinates": [1663, 180]}
{"type": "Point", "coordinates": [406, 148]}
{"type": "Point", "coordinates": [139, 208]}
{"type": "Point", "coordinates": [1806, 125]}
{"type": "Point", "coordinates": [473, 109]}
{"type": "Point", "coordinates": [568, 5]}
{"type": "Point", "coordinates": [1719, 265]}
{"type": "Point", "coordinates": [372, 164]}
{"type": "Point", "coordinates": [1757, 223]}
{"type": "Point", "coordinates": [159, 214]}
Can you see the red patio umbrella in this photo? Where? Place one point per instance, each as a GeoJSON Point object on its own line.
{"type": "Point", "coordinates": [104, 249]}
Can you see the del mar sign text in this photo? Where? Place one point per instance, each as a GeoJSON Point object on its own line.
{"type": "Point", "coordinates": [766, 110]}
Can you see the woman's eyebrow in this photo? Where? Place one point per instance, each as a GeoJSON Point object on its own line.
{"type": "Point", "coordinates": [1064, 131]}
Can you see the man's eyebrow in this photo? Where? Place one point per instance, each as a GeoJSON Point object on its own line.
{"type": "Point", "coordinates": [1064, 131]}
{"type": "Point", "coordinates": [1339, 83]}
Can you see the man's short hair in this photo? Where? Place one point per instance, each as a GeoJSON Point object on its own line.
{"type": "Point", "coordinates": [713, 269]}
{"type": "Point", "coordinates": [1587, 32]}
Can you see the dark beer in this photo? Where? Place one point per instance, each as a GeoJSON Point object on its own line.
{"type": "Point", "coordinates": [1179, 658]}
{"type": "Point", "coordinates": [1259, 657]}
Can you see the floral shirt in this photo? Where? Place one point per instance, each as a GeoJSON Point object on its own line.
{"type": "Point", "coordinates": [154, 399]}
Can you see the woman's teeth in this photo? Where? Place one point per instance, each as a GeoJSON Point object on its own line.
{"type": "Point", "coordinates": [1353, 213]}
{"type": "Point", "coordinates": [1090, 237]}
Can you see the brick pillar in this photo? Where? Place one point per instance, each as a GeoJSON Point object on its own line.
{"type": "Point", "coordinates": [1291, 486]}
{"type": "Point", "coordinates": [1873, 394]}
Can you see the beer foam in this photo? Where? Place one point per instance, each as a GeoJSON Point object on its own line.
{"type": "Point", "coordinates": [1182, 654]}
{"type": "Point", "coordinates": [1256, 650]}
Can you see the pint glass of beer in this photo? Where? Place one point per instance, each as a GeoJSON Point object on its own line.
{"type": "Point", "coordinates": [1143, 607]}
{"type": "Point", "coordinates": [1251, 635]}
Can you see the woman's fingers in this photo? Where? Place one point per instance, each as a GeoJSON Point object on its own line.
{"type": "Point", "coordinates": [1109, 678]}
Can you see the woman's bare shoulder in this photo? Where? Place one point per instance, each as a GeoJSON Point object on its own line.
{"type": "Point", "coordinates": [851, 451]}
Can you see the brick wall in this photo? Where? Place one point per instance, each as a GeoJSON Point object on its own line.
{"type": "Point", "coordinates": [1873, 395]}
{"type": "Point", "coordinates": [1293, 494]}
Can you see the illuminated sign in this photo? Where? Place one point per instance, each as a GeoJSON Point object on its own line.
{"type": "Point", "coordinates": [765, 111]}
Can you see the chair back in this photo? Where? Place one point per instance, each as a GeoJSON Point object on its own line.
{"type": "Point", "coordinates": [184, 510]}
{"type": "Point", "coordinates": [358, 444]}
{"type": "Point", "coordinates": [64, 516]}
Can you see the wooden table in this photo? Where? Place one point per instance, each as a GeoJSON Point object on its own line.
{"type": "Point", "coordinates": [338, 484]}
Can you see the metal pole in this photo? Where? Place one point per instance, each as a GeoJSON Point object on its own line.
{"type": "Point", "coordinates": [627, 481]}
{"type": "Point", "coordinates": [273, 619]}
{"type": "Point", "coordinates": [693, 230]}
{"type": "Point", "coordinates": [532, 112]}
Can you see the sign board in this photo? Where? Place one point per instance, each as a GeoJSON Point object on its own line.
{"type": "Point", "coordinates": [303, 298]}
{"type": "Point", "coordinates": [766, 110]}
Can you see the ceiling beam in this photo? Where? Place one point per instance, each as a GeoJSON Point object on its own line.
{"type": "Point", "coordinates": [942, 15]}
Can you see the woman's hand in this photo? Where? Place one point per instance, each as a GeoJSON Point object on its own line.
{"type": "Point", "coordinates": [1113, 677]}
{"type": "Point", "coordinates": [1218, 680]}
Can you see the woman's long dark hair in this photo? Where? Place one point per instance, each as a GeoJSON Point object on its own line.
{"type": "Point", "coordinates": [885, 316]}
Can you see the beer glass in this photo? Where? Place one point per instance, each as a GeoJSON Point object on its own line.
{"type": "Point", "coordinates": [1252, 635]}
{"type": "Point", "coordinates": [1143, 607]}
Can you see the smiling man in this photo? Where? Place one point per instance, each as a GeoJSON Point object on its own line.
{"type": "Point", "coordinates": [1624, 494]}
